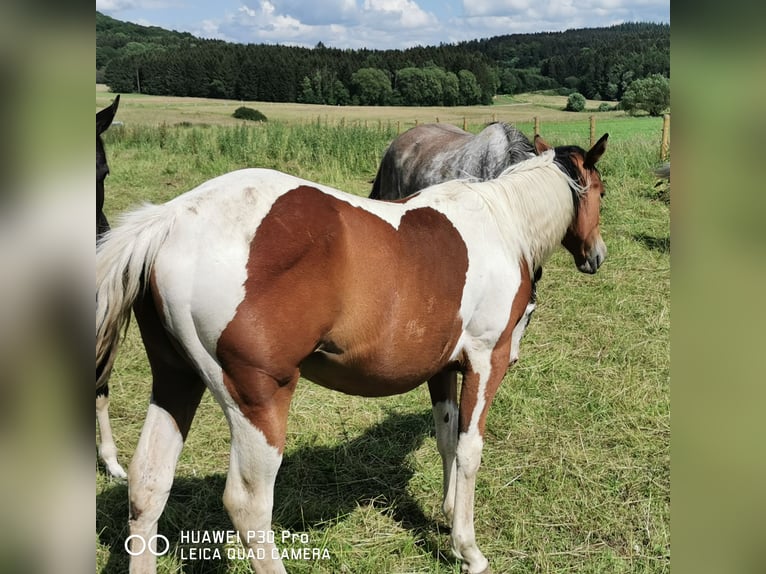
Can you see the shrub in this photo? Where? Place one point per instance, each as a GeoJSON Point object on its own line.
{"type": "Point", "coordinates": [245, 113]}
{"type": "Point", "coordinates": [575, 102]}
{"type": "Point", "coordinates": [604, 107]}
{"type": "Point", "coordinates": [650, 94]}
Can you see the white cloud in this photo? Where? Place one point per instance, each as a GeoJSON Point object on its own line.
{"type": "Point", "coordinates": [585, 12]}
{"type": "Point", "coordinates": [210, 29]}
{"type": "Point", "coordinates": [123, 5]}
{"type": "Point", "coordinates": [377, 23]}
{"type": "Point", "coordinates": [484, 18]}
{"type": "Point", "coordinates": [266, 18]}
{"type": "Point", "coordinates": [495, 7]}
{"type": "Point", "coordinates": [319, 13]}
{"type": "Point", "coordinates": [381, 24]}
{"type": "Point", "coordinates": [404, 13]}
{"type": "Point", "coordinates": [114, 5]}
{"type": "Point", "coordinates": [263, 22]}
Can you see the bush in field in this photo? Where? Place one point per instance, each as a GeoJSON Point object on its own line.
{"type": "Point", "coordinates": [245, 113]}
{"type": "Point", "coordinates": [650, 94]}
{"type": "Point", "coordinates": [575, 102]}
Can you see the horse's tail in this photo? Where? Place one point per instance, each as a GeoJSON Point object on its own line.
{"type": "Point", "coordinates": [375, 193]}
{"type": "Point", "coordinates": [386, 185]}
{"type": "Point", "coordinates": [124, 260]}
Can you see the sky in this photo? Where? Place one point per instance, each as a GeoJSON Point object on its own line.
{"type": "Point", "coordinates": [378, 24]}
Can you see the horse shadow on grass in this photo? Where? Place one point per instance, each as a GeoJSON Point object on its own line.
{"type": "Point", "coordinates": [316, 488]}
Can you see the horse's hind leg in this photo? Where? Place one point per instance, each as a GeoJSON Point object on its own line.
{"type": "Point", "coordinates": [175, 398]}
{"type": "Point", "coordinates": [107, 450]}
{"type": "Point", "coordinates": [443, 390]}
{"type": "Point", "coordinates": [176, 392]}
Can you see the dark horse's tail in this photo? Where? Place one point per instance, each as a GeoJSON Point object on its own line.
{"type": "Point", "coordinates": [375, 193]}
{"type": "Point", "coordinates": [124, 260]}
{"type": "Point", "coordinates": [386, 171]}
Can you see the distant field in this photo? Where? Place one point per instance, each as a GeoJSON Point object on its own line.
{"type": "Point", "coordinates": [521, 109]}
{"type": "Point", "coordinates": [575, 474]}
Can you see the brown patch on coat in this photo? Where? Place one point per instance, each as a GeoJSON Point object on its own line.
{"type": "Point", "coordinates": [340, 296]}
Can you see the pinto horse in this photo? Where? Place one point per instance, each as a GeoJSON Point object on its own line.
{"type": "Point", "coordinates": [256, 278]}
{"type": "Point", "coordinates": [107, 450]}
{"type": "Point", "coordinates": [432, 153]}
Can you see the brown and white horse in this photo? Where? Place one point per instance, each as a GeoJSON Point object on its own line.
{"type": "Point", "coordinates": [107, 450]}
{"type": "Point", "coordinates": [257, 277]}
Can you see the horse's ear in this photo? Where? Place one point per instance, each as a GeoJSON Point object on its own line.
{"type": "Point", "coordinates": [104, 117]}
{"type": "Point", "coordinates": [540, 144]}
{"type": "Point", "coordinates": [595, 153]}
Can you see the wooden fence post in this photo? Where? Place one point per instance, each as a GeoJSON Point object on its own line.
{"type": "Point", "coordinates": [465, 124]}
{"type": "Point", "coordinates": [665, 145]}
{"type": "Point", "coordinates": [398, 127]}
{"type": "Point", "coordinates": [592, 130]}
{"type": "Point", "coordinates": [537, 125]}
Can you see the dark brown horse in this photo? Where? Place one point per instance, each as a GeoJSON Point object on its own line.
{"type": "Point", "coordinates": [433, 153]}
{"type": "Point", "coordinates": [256, 278]}
{"type": "Point", "coordinates": [107, 450]}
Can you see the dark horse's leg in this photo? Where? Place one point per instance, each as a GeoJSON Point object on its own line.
{"type": "Point", "coordinates": [107, 450]}
{"type": "Point", "coordinates": [443, 389]}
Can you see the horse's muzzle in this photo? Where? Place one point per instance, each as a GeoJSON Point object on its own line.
{"type": "Point", "coordinates": [594, 259]}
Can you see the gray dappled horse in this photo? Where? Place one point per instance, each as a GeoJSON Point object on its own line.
{"type": "Point", "coordinates": [433, 153]}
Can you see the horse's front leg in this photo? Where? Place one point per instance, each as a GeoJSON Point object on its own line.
{"type": "Point", "coordinates": [480, 382]}
{"type": "Point", "coordinates": [443, 389]}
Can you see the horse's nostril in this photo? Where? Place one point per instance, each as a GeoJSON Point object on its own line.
{"type": "Point", "coordinates": [600, 258]}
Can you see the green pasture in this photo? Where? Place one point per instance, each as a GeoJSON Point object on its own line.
{"type": "Point", "coordinates": [575, 473]}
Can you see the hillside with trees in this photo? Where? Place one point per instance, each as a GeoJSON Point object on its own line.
{"type": "Point", "coordinates": [600, 63]}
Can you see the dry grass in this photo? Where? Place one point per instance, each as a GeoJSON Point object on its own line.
{"type": "Point", "coordinates": [155, 110]}
{"type": "Point", "coordinates": [575, 472]}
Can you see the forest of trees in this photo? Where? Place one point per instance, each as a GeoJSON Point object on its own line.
{"type": "Point", "coordinates": [599, 63]}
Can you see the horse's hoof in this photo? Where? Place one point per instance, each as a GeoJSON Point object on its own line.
{"type": "Point", "coordinates": [116, 471]}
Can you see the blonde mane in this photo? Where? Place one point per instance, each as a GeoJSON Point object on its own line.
{"type": "Point", "coordinates": [532, 204]}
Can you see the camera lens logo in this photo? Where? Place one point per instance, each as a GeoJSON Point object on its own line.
{"type": "Point", "coordinates": [152, 545]}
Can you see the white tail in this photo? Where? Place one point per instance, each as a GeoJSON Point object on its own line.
{"type": "Point", "coordinates": [124, 260]}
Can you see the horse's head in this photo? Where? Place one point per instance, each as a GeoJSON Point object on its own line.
{"type": "Point", "coordinates": [583, 238]}
{"type": "Point", "coordinates": [103, 121]}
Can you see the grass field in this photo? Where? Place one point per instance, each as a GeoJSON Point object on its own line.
{"type": "Point", "coordinates": [575, 471]}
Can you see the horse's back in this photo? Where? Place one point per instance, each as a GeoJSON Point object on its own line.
{"type": "Point", "coordinates": [414, 160]}
{"type": "Point", "coordinates": [434, 153]}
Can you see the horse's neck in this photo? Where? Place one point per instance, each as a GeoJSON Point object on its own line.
{"type": "Point", "coordinates": [533, 210]}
